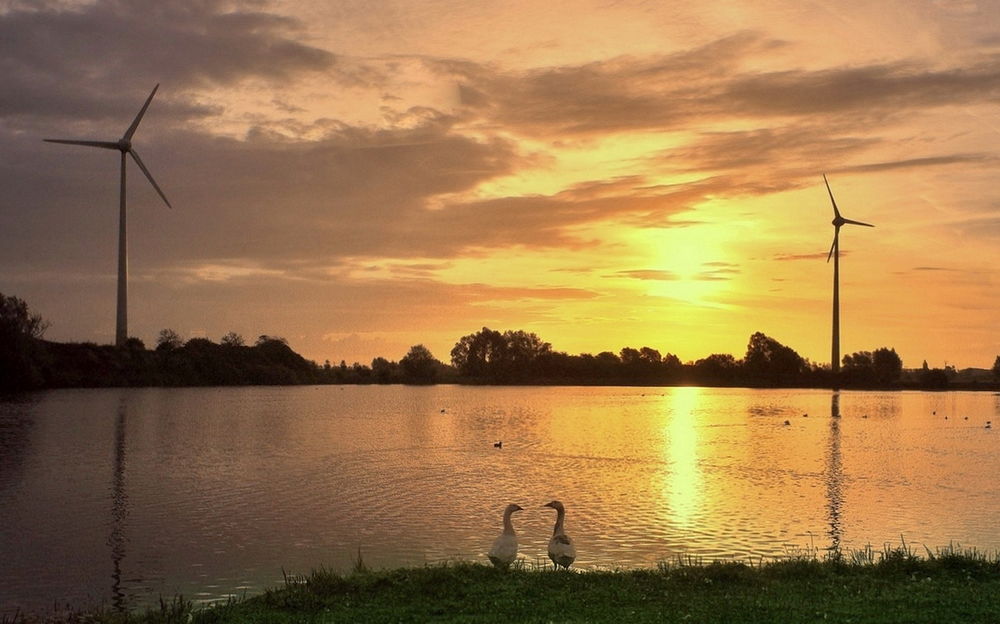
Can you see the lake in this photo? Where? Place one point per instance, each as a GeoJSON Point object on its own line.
{"type": "Point", "coordinates": [118, 496]}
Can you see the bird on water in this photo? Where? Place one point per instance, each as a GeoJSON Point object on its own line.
{"type": "Point", "coordinates": [504, 549]}
{"type": "Point", "coordinates": [561, 549]}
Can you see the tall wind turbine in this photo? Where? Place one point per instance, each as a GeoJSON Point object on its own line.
{"type": "Point", "coordinates": [123, 145]}
{"type": "Point", "coordinates": [838, 221]}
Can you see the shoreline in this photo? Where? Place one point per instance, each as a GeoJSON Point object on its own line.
{"type": "Point", "coordinates": [891, 585]}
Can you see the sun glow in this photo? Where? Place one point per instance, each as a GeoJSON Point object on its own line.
{"type": "Point", "coordinates": [682, 486]}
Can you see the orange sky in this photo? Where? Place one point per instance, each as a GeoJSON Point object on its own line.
{"type": "Point", "coordinates": [359, 176]}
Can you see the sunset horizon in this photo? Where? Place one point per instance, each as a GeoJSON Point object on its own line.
{"type": "Point", "coordinates": [359, 177]}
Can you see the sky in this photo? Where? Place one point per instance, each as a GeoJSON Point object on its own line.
{"type": "Point", "coordinates": [360, 176]}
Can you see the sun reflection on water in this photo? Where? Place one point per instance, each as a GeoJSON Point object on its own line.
{"type": "Point", "coordinates": [683, 487]}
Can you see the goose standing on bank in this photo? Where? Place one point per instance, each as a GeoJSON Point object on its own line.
{"type": "Point", "coordinates": [504, 549]}
{"type": "Point", "coordinates": [561, 549]}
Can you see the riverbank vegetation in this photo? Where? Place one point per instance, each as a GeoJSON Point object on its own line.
{"type": "Point", "coordinates": [892, 585]}
{"type": "Point", "coordinates": [488, 356]}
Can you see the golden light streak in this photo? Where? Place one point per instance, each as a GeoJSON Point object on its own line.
{"type": "Point", "coordinates": [683, 485]}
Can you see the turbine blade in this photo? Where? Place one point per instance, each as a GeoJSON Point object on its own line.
{"type": "Point", "coordinates": [836, 237]}
{"type": "Point", "coordinates": [858, 223]}
{"type": "Point", "coordinates": [105, 144]}
{"type": "Point", "coordinates": [138, 118]}
{"type": "Point", "coordinates": [833, 201]}
{"type": "Point", "coordinates": [149, 176]}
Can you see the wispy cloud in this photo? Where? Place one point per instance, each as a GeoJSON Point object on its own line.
{"type": "Point", "coordinates": [647, 274]}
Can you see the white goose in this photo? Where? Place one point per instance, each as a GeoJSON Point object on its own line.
{"type": "Point", "coordinates": [504, 549]}
{"type": "Point", "coordinates": [561, 549]}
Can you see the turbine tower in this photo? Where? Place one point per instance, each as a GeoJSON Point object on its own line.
{"type": "Point", "coordinates": [838, 221]}
{"type": "Point", "coordinates": [123, 145]}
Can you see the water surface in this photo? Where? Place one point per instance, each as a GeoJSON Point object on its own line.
{"type": "Point", "coordinates": [116, 497]}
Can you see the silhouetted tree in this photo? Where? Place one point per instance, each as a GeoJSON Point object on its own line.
{"type": "Point", "coordinates": [17, 320]}
{"type": "Point", "coordinates": [646, 365]}
{"type": "Point", "coordinates": [996, 368]}
{"type": "Point", "coordinates": [630, 356]}
{"type": "Point", "coordinates": [168, 340]}
{"type": "Point", "coordinates": [769, 361]}
{"type": "Point", "coordinates": [382, 370]}
{"type": "Point", "coordinates": [672, 367]}
{"type": "Point", "coordinates": [264, 339]}
{"type": "Point", "coordinates": [419, 365]}
{"type": "Point", "coordinates": [718, 368]}
{"type": "Point", "coordinates": [479, 354]}
{"type": "Point", "coordinates": [652, 355]}
{"type": "Point", "coordinates": [490, 355]}
{"type": "Point", "coordinates": [232, 339]}
{"type": "Point", "coordinates": [20, 351]}
{"type": "Point", "coordinates": [857, 369]}
{"type": "Point", "coordinates": [933, 379]}
{"type": "Point", "coordinates": [135, 344]}
{"type": "Point", "coordinates": [886, 365]}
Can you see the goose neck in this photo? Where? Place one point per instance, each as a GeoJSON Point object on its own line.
{"type": "Point", "coordinates": [508, 526]}
{"type": "Point", "coordinates": [560, 518]}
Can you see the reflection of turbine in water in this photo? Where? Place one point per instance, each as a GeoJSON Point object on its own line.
{"type": "Point", "coordinates": [834, 476]}
{"type": "Point", "coordinates": [119, 511]}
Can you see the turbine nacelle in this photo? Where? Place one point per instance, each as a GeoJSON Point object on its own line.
{"type": "Point", "coordinates": [838, 222]}
{"type": "Point", "coordinates": [124, 145]}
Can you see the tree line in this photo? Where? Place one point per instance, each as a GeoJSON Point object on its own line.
{"type": "Point", "coordinates": [488, 356]}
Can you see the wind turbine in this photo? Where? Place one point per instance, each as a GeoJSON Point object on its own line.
{"type": "Point", "coordinates": [838, 221]}
{"type": "Point", "coordinates": [123, 145]}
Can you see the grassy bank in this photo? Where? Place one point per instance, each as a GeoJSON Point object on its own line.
{"type": "Point", "coordinates": [889, 586]}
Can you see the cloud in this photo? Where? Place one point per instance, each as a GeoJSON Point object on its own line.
{"type": "Point", "coordinates": [873, 89]}
{"type": "Point", "coordinates": [623, 93]}
{"type": "Point", "coordinates": [647, 274]}
{"type": "Point", "coordinates": [711, 83]}
{"type": "Point", "coordinates": [809, 256]}
{"type": "Point", "coordinates": [356, 191]}
{"type": "Point", "coordinates": [96, 61]}
{"type": "Point", "coordinates": [717, 271]}
{"type": "Point", "coordinates": [914, 163]}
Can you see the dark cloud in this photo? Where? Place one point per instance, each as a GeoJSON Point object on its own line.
{"type": "Point", "coordinates": [875, 89]}
{"type": "Point", "coordinates": [711, 83]}
{"type": "Point", "coordinates": [616, 94]}
{"type": "Point", "coordinates": [97, 60]}
{"type": "Point", "coordinates": [913, 163]}
{"type": "Point", "coordinates": [764, 149]}
{"type": "Point", "coordinates": [354, 192]}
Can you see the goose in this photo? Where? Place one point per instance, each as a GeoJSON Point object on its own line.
{"type": "Point", "coordinates": [498, 444]}
{"type": "Point", "coordinates": [561, 549]}
{"type": "Point", "coordinates": [504, 549]}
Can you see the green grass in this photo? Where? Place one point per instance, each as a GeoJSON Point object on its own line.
{"type": "Point", "coordinates": [892, 585]}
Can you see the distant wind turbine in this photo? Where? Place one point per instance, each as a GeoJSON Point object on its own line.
{"type": "Point", "coordinates": [838, 221]}
{"type": "Point", "coordinates": [123, 145]}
